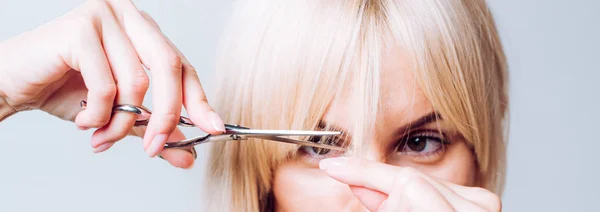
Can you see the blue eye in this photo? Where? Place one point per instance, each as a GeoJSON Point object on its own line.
{"type": "Point", "coordinates": [422, 143]}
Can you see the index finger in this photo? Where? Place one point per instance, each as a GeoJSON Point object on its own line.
{"type": "Point", "coordinates": [194, 98]}
{"type": "Point", "coordinates": [384, 178]}
{"type": "Point", "coordinates": [362, 173]}
{"type": "Point", "coordinates": [166, 70]}
{"type": "Point", "coordinates": [182, 158]}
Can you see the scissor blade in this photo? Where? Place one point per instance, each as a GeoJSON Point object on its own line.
{"type": "Point", "coordinates": [282, 132]}
{"type": "Point", "coordinates": [302, 143]}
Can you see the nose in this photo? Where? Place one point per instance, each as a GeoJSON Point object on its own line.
{"type": "Point", "coordinates": [372, 151]}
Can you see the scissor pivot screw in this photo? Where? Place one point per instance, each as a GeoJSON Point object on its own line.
{"type": "Point", "coordinates": [236, 137]}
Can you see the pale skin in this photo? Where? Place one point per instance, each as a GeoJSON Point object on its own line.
{"type": "Point", "coordinates": [431, 178]}
{"type": "Point", "coordinates": [97, 52]}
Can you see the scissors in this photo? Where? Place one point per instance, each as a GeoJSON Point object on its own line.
{"type": "Point", "coordinates": [232, 132]}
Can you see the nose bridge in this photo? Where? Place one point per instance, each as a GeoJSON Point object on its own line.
{"type": "Point", "coordinates": [372, 155]}
{"type": "Point", "coordinates": [372, 146]}
{"type": "Point", "coordinates": [372, 151]}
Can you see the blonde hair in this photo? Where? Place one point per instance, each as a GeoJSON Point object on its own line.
{"type": "Point", "coordinates": [283, 62]}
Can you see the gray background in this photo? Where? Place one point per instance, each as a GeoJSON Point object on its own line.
{"type": "Point", "coordinates": [48, 165]}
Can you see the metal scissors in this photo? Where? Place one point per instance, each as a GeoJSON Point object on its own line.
{"type": "Point", "coordinates": [232, 132]}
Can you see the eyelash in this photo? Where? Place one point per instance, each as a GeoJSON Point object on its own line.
{"type": "Point", "coordinates": [428, 136]}
{"type": "Point", "coordinates": [315, 152]}
{"type": "Point", "coordinates": [401, 147]}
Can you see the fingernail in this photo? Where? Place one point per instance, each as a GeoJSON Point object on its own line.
{"type": "Point", "coordinates": [102, 147]}
{"type": "Point", "coordinates": [191, 166]}
{"type": "Point", "coordinates": [156, 144]}
{"type": "Point", "coordinates": [216, 122]}
{"type": "Point", "coordinates": [333, 164]}
{"type": "Point", "coordinates": [82, 128]}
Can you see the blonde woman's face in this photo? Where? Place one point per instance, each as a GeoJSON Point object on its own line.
{"type": "Point", "coordinates": [406, 135]}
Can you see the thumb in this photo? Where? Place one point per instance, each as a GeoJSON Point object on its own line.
{"type": "Point", "coordinates": [176, 157]}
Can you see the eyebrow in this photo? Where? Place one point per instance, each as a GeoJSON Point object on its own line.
{"type": "Point", "coordinates": [423, 120]}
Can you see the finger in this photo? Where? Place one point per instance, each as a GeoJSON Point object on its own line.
{"type": "Point", "coordinates": [194, 98]}
{"type": "Point", "coordinates": [196, 103]}
{"type": "Point", "coordinates": [416, 194]}
{"type": "Point", "coordinates": [166, 69]}
{"type": "Point", "coordinates": [371, 199]}
{"type": "Point", "coordinates": [178, 157]}
{"type": "Point", "coordinates": [361, 173]}
{"type": "Point", "coordinates": [469, 197]}
{"type": "Point", "coordinates": [89, 57]}
{"type": "Point", "coordinates": [384, 178]}
{"type": "Point", "coordinates": [130, 77]}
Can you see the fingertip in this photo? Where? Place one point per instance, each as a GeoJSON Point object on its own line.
{"type": "Point", "coordinates": [85, 120]}
{"type": "Point", "coordinates": [156, 145]}
{"type": "Point", "coordinates": [79, 121]}
{"type": "Point", "coordinates": [208, 121]}
{"type": "Point", "coordinates": [216, 122]}
{"type": "Point", "coordinates": [146, 139]}
{"type": "Point", "coordinates": [178, 158]}
{"type": "Point", "coordinates": [97, 139]}
{"type": "Point", "coordinates": [103, 147]}
{"type": "Point", "coordinates": [337, 164]}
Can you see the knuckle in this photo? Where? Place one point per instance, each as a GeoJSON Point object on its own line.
{"type": "Point", "coordinates": [496, 204]}
{"type": "Point", "coordinates": [173, 62]}
{"type": "Point", "coordinates": [416, 182]}
{"type": "Point", "coordinates": [409, 173]}
{"type": "Point", "coordinates": [99, 7]}
{"type": "Point", "coordinates": [404, 178]}
{"type": "Point", "coordinates": [169, 120]}
{"type": "Point", "coordinates": [107, 91]}
{"type": "Point", "coordinates": [190, 70]}
{"type": "Point", "coordinates": [498, 207]}
{"type": "Point", "coordinates": [149, 19]}
{"type": "Point", "coordinates": [493, 201]}
{"type": "Point", "coordinates": [84, 26]}
{"type": "Point", "coordinates": [121, 132]}
{"type": "Point", "coordinates": [140, 83]}
{"type": "Point", "coordinates": [412, 186]}
{"type": "Point", "coordinates": [121, 126]}
{"type": "Point", "coordinates": [99, 121]}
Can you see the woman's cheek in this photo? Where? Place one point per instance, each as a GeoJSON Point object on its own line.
{"type": "Point", "coordinates": [300, 187]}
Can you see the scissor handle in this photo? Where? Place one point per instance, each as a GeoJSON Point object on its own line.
{"type": "Point", "coordinates": [233, 132]}
{"type": "Point", "coordinates": [143, 114]}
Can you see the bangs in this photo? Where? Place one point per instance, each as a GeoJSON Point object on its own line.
{"type": "Point", "coordinates": [294, 58]}
{"type": "Point", "coordinates": [284, 62]}
{"type": "Point", "coordinates": [458, 61]}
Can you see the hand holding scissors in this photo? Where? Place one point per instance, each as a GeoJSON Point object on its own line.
{"type": "Point", "coordinates": [232, 132]}
{"type": "Point", "coordinates": [104, 51]}
{"type": "Point", "coordinates": [100, 51]}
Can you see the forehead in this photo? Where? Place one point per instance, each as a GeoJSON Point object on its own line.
{"type": "Point", "coordinates": [401, 97]}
